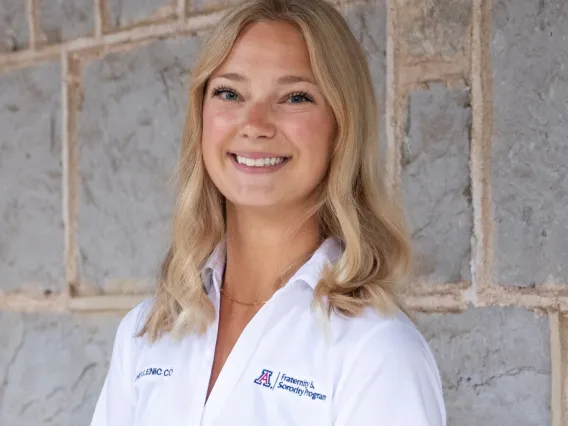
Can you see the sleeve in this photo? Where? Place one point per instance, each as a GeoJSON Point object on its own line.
{"type": "Point", "coordinates": [116, 403]}
{"type": "Point", "coordinates": [392, 380]}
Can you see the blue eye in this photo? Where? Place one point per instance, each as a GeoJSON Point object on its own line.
{"type": "Point", "coordinates": [225, 93]}
{"type": "Point", "coordinates": [300, 97]}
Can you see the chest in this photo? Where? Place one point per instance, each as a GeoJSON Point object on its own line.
{"type": "Point", "coordinates": [232, 323]}
{"type": "Point", "coordinates": [275, 372]}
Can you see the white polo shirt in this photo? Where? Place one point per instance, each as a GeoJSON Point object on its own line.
{"type": "Point", "coordinates": [284, 370]}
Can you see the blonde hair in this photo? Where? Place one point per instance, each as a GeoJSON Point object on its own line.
{"type": "Point", "coordinates": [354, 205]}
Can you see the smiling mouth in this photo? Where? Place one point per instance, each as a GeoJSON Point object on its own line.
{"type": "Point", "coordinates": [263, 162]}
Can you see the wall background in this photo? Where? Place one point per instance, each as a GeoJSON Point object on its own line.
{"type": "Point", "coordinates": [474, 118]}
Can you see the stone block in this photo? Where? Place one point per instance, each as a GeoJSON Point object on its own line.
{"type": "Point", "coordinates": [530, 152]}
{"type": "Point", "coordinates": [52, 367]}
{"type": "Point", "coordinates": [433, 28]}
{"type": "Point", "coordinates": [65, 19]}
{"type": "Point", "coordinates": [198, 6]}
{"type": "Point", "coordinates": [368, 23]}
{"type": "Point", "coordinates": [129, 136]}
{"type": "Point", "coordinates": [14, 32]}
{"type": "Point", "coordinates": [125, 12]}
{"type": "Point", "coordinates": [436, 183]}
{"type": "Point", "coordinates": [31, 227]}
{"type": "Point", "coordinates": [495, 365]}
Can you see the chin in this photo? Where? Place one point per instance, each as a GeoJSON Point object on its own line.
{"type": "Point", "coordinates": [260, 200]}
{"type": "Point", "coordinates": [255, 202]}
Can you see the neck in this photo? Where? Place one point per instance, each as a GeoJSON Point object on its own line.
{"type": "Point", "coordinates": [264, 250]}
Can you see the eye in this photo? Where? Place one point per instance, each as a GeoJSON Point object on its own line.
{"type": "Point", "coordinates": [299, 97]}
{"type": "Point", "coordinates": [225, 94]}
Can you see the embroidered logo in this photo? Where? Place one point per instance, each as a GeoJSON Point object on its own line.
{"type": "Point", "coordinates": [164, 372]}
{"type": "Point", "coordinates": [264, 378]}
{"type": "Point", "coordinates": [300, 387]}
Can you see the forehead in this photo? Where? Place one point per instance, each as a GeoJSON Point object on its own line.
{"type": "Point", "coordinates": [268, 46]}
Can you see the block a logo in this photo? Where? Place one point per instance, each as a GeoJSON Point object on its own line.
{"type": "Point", "coordinates": [264, 378]}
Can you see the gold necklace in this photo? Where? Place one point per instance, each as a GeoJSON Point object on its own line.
{"type": "Point", "coordinates": [262, 302]}
{"type": "Point", "coordinates": [255, 303]}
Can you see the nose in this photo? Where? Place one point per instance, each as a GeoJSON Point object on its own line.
{"type": "Point", "coordinates": [257, 123]}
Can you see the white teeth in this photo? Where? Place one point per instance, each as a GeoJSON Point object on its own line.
{"type": "Point", "coordinates": [260, 162]}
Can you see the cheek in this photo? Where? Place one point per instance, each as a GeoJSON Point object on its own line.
{"type": "Point", "coordinates": [218, 124]}
{"type": "Point", "coordinates": [313, 136]}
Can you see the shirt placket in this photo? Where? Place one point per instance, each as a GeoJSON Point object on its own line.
{"type": "Point", "coordinates": [237, 362]}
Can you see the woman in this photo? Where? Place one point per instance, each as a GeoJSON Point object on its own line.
{"type": "Point", "coordinates": [276, 303]}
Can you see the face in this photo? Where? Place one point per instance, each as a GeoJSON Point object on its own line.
{"type": "Point", "coordinates": [267, 128]}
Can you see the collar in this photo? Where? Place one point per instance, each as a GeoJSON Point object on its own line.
{"type": "Point", "coordinates": [310, 272]}
{"type": "Point", "coordinates": [212, 271]}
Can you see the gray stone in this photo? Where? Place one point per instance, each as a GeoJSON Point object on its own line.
{"type": "Point", "coordinates": [530, 152]}
{"type": "Point", "coordinates": [124, 12]}
{"type": "Point", "coordinates": [434, 28]}
{"type": "Point", "coordinates": [129, 135]}
{"type": "Point", "coordinates": [210, 5]}
{"type": "Point", "coordinates": [14, 33]}
{"type": "Point", "coordinates": [66, 19]}
{"type": "Point", "coordinates": [495, 365]}
{"type": "Point", "coordinates": [368, 23]}
{"type": "Point", "coordinates": [436, 183]}
{"type": "Point", "coordinates": [52, 367]}
{"type": "Point", "coordinates": [31, 228]}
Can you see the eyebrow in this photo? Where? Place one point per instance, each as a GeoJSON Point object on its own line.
{"type": "Point", "coordinates": [287, 79]}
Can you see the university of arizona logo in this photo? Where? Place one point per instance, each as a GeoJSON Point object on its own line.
{"type": "Point", "coordinates": [264, 378]}
{"type": "Point", "coordinates": [302, 387]}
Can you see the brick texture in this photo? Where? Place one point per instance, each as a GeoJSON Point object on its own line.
{"type": "Point", "coordinates": [530, 153]}
{"type": "Point", "coordinates": [31, 228]}
{"type": "Point", "coordinates": [13, 26]}
{"type": "Point", "coordinates": [129, 134]}
{"type": "Point", "coordinates": [436, 185]}
{"type": "Point", "coordinates": [488, 379]}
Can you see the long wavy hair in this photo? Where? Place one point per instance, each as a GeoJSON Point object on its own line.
{"type": "Point", "coordinates": [353, 205]}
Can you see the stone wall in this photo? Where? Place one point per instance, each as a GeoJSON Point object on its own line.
{"type": "Point", "coordinates": [474, 124]}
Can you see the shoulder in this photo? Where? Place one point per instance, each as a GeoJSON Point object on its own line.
{"type": "Point", "coordinates": [391, 348]}
{"type": "Point", "coordinates": [131, 324]}
{"type": "Point", "coordinates": [378, 334]}
{"type": "Point", "coordinates": [394, 338]}
{"type": "Point", "coordinates": [389, 368]}
{"type": "Point", "coordinates": [127, 345]}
